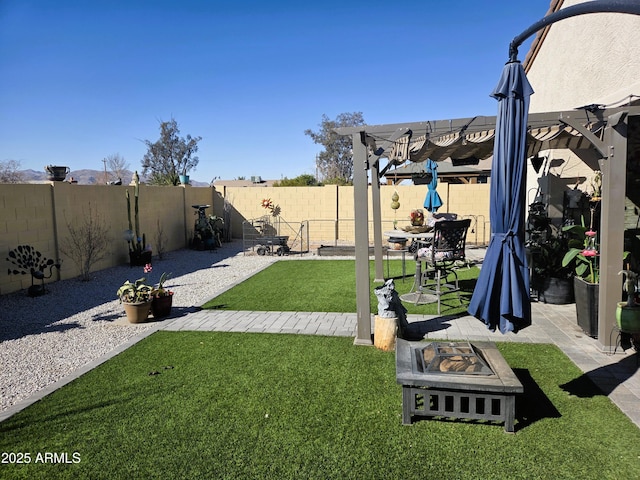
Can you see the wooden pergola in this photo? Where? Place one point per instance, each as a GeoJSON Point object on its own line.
{"type": "Point", "coordinates": [605, 130]}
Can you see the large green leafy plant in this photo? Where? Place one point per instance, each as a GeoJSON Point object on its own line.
{"type": "Point", "coordinates": [583, 252]}
{"type": "Point", "coordinates": [137, 292]}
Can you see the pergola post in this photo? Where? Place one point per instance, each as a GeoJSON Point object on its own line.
{"type": "Point", "coordinates": [377, 221]}
{"type": "Point", "coordinates": [360, 197]}
{"type": "Point", "coordinates": [614, 168]}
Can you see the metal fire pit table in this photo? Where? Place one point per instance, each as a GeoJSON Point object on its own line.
{"type": "Point", "coordinates": [479, 383]}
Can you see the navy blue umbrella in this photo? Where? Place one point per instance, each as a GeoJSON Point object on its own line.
{"type": "Point", "coordinates": [501, 297]}
{"type": "Point", "coordinates": [433, 201]}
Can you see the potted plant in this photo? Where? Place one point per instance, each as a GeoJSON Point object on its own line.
{"type": "Point", "coordinates": [584, 256]}
{"type": "Point", "coordinates": [207, 233]}
{"type": "Point", "coordinates": [184, 178]}
{"type": "Point", "coordinates": [56, 173]}
{"type": "Point", "coordinates": [136, 299]}
{"type": "Point", "coordinates": [550, 278]}
{"type": "Point", "coordinates": [395, 205]}
{"type": "Point", "coordinates": [628, 312]}
{"type": "Point", "coordinates": [417, 217]}
{"type": "Point", "coordinates": [162, 298]}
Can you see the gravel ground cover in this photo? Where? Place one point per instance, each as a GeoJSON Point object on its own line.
{"type": "Point", "coordinates": [45, 338]}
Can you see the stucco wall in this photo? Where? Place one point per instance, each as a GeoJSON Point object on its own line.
{"type": "Point", "coordinates": [330, 209]}
{"type": "Point", "coordinates": [588, 59]}
{"type": "Point", "coordinates": [38, 215]}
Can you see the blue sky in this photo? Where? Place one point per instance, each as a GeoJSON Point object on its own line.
{"type": "Point", "coordinates": [81, 80]}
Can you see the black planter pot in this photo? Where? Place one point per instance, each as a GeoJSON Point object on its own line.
{"type": "Point", "coordinates": [139, 259]}
{"type": "Point", "coordinates": [587, 305]}
{"type": "Point", "coordinates": [556, 291]}
{"type": "Point", "coordinates": [161, 306]}
{"type": "Point", "coordinates": [56, 173]}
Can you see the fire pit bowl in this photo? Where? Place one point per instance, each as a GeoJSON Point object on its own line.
{"type": "Point", "coordinates": [456, 380]}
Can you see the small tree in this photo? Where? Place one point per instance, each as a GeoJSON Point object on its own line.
{"type": "Point", "coordinates": [304, 180]}
{"type": "Point", "coordinates": [335, 162]}
{"type": "Point", "coordinates": [170, 156]}
{"type": "Point", "coordinates": [117, 165]}
{"type": "Point", "coordinates": [87, 242]}
{"type": "Point", "coordinates": [10, 172]}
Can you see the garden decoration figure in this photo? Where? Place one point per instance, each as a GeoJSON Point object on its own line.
{"type": "Point", "coordinates": [395, 205]}
{"type": "Point", "coordinates": [417, 217]}
{"type": "Point", "coordinates": [390, 306]}
{"type": "Point", "coordinates": [274, 209]}
{"type": "Point", "coordinates": [387, 303]}
{"type": "Point", "coordinates": [630, 281]}
{"type": "Point", "coordinates": [29, 260]}
{"type": "Point", "coordinates": [596, 186]}
{"type": "Point", "coordinates": [207, 231]}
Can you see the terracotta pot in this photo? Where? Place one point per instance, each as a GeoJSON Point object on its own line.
{"type": "Point", "coordinates": [137, 312]}
{"type": "Point", "coordinates": [161, 306]}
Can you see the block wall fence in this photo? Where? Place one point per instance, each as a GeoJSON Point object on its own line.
{"type": "Point", "coordinates": [39, 215]}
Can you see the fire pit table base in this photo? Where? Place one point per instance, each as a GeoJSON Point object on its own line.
{"type": "Point", "coordinates": [489, 396]}
{"type": "Point", "coordinates": [432, 402]}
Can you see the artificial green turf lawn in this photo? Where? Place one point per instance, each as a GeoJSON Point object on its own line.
{"type": "Point", "coordinates": [239, 406]}
{"type": "Point", "coordinates": [329, 286]}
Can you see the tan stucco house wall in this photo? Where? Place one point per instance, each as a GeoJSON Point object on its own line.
{"type": "Point", "coordinates": [583, 60]}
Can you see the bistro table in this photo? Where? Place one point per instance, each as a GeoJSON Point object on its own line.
{"type": "Point", "coordinates": [415, 296]}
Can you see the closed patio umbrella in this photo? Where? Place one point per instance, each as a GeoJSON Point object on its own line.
{"type": "Point", "coordinates": [501, 296]}
{"type": "Point", "coordinates": [433, 201]}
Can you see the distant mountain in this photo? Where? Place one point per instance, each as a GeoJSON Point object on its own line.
{"type": "Point", "coordinates": [88, 177]}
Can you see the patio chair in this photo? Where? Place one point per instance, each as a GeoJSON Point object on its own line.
{"type": "Point", "coordinates": [441, 258]}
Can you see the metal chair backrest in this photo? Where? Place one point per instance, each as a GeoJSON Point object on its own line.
{"type": "Point", "coordinates": [449, 241]}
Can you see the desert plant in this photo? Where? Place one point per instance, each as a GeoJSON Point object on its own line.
{"type": "Point", "coordinates": [161, 240]}
{"type": "Point", "coordinates": [137, 242]}
{"type": "Point", "coordinates": [159, 289]}
{"type": "Point", "coordinates": [136, 292]}
{"type": "Point", "coordinates": [87, 242]}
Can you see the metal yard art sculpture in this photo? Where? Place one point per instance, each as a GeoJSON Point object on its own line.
{"type": "Point", "coordinates": [30, 261]}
